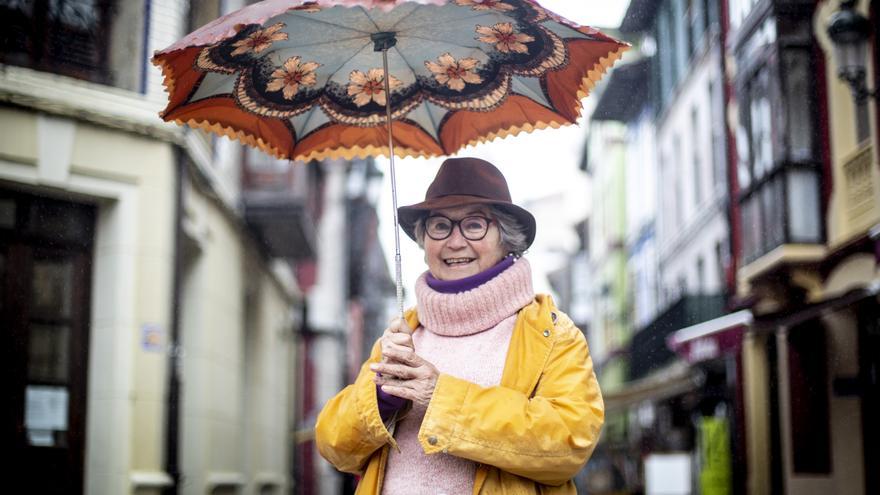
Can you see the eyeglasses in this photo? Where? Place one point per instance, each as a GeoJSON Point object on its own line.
{"type": "Point", "coordinates": [473, 228]}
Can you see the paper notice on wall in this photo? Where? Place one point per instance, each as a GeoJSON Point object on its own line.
{"type": "Point", "coordinates": [46, 408]}
{"type": "Point", "coordinates": [41, 438]}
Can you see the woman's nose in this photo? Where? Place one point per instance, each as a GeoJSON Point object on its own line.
{"type": "Point", "coordinates": [456, 239]}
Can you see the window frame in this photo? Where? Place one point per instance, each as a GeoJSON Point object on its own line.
{"type": "Point", "coordinates": [39, 33]}
{"type": "Point", "coordinates": [763, 194]}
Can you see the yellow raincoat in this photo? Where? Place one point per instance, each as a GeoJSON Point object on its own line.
{"type": "Point", "coordinates": [530, 434]}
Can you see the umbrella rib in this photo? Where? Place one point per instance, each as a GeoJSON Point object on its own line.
{"type": "Point", "coordinates": [405, 17]}
{"type": "Point", "coordinates": [376, 26]}
{"type": "Point", "coordinates": [433, 123]}
{"type": "Point", "coordinates": [321, 21]}
{"type": "Point", "coordinates": [487, 14]}
{"type": "Point", "coordinates": [305, 123]}
{"type": "Point", "coordinates": [319, 43]}
{"type": "Point", "coordinates": [344, 63]}
{"type": "Point", "coordinates": [448, 42]}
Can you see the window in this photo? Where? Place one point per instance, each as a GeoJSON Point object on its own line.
{"type": "Point", "coordinates": [719, 144]}
{"type": "Point", "coordinates": [682, 38]}
{"type": "Point", "coordinates": [698, 20]}
{"type": "Point", "coordinates": [68, 37]}
{"type": "Point", "coordinates": [678, 200]}
{"type": "Point", "coordinates": [740, 10]}
{"type": "Point", "coordinates": [701, 275]}
{"type": "Point", "coordinates": [721, 262]}
{"type": "Point", "coordinates": [778, 165]}
{"type": "Point", "coordinates": [797, 74]}
{"type": "Point", "coordinates": [695, 157]}
{"type": "Point", "coordinates": [665, 60]}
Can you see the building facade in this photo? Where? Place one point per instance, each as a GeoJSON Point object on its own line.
{"type": "Point", "coordinates": [807, 265]}
{"type": "Point", "coordinates": [769, 271]}
{"type": "Point", "coordinates": [155, 282]}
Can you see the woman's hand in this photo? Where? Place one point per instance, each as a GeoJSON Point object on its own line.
{"type": "Point", "coordinates": [397, 337]}
{"type": "Point", "coordinates": [406, 375]}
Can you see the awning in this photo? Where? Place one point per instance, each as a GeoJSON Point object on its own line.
{"type": "Point", "coordinates": [675, 379]}
{"type": "Point", "coordinates": [710, 339]}
{"type": "Point", "coordinates": [625, 94]}
{"type": "Point", "coordinates": [765, 323]}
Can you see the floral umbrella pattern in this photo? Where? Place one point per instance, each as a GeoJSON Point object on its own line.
{"type": "Point", "coordinates": [370, 87]}
{"type": "Point", "coordinates": [298, 79]}
{"type": "Point", "coordinates": [455, 73]}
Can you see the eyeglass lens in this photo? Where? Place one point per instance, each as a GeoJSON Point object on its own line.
{"type": "Point", "coordinates": [472, 228]}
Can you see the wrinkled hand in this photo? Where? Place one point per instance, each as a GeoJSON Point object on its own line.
{"type": "Point", "coordinates": [397, 337]}
{"type": "Point", "coordinates": [406, 375]}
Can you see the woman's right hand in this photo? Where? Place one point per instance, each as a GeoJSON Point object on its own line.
{"type": "Point", "coordinates": [397, 337]}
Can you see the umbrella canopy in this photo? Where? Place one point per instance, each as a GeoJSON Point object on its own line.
{"type": "Point", "coordinates": [302, 80]}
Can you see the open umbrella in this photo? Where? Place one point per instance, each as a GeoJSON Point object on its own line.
{"type": "Point", "coordinates": [303, 80]}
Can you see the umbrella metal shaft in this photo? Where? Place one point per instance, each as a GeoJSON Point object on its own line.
{"type": "Point", "coordinates": [398, 278]}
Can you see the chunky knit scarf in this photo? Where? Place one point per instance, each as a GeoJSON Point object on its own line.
{"type": "Point", "coordinates": [465, 335]}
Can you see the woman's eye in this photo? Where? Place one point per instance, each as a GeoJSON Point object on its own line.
{"type": "Point", "coordinates": [473, 225]}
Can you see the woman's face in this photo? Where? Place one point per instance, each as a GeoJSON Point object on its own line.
{"type": "Point", "coordinates": [456, 257]}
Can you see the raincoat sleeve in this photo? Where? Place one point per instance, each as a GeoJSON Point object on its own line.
{"type": "Point", "coordinates": [545, 436]}
{"type": "Point", "coordinates": [349, 428]}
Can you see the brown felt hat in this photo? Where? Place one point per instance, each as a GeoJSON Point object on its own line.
{"type": "Point", "coordinates": [466, 181]}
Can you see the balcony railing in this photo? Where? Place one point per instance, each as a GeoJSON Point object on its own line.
{"type": "Point", "coordinates": [648, 350]}
{"type": "Point", "coordinates": [783, 209]}
{"type": "Point", "coordinates": [277, 206]}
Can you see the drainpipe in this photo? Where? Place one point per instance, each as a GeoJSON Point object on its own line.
{"type": "Point", "coordinates": [733, 219]}
{"type": "Point", "coordinates": [172, 426]}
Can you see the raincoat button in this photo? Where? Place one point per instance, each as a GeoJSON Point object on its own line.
{"type": "Point", "coordinates": [546, 333]}
{"type": "Point", "coordinates": [432, 440]}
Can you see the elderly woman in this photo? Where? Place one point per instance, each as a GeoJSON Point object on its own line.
{"type": "Point", "coordinates": [487, 387]}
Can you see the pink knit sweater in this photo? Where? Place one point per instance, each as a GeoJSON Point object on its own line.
{"type": "Point", "coordinates": [465, 335]}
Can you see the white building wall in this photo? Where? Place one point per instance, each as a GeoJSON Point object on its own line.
{"type": "Point", "coordinates": [130, 176]}
{"type": "Point", "coordinates": [691, 220]}
{"type": "Point", "coordinates": [641, 212]}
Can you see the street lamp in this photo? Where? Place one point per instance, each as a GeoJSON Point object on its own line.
{"type": "Point", "coordinates": [849, 31]}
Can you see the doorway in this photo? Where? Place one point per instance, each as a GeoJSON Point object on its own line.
{"type": "Point", "coordinates": [45, 285]}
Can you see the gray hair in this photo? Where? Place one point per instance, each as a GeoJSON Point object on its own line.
{"type": "Point", "coordinates": [513, 234]}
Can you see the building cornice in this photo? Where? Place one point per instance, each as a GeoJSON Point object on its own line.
{"type": "Point", "coordinates": [86, 101]}
{"type": "Point", "coordinates": [122, 110]}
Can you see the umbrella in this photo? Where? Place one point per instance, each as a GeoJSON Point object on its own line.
{"type": "Point", "coordinates": [305, 80]}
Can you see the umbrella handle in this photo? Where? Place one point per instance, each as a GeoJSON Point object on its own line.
{"type": "Point", "coordinates": [397, 265]}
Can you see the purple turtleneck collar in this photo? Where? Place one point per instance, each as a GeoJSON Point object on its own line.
{"type": "Point", "coordinates": [472, 282]}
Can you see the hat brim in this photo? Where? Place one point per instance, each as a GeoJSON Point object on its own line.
{"type": "Point", "coordinates": [408, 215]}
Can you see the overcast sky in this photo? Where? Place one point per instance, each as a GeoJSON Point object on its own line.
{"type": "Point", "coordinates": [541, 169]}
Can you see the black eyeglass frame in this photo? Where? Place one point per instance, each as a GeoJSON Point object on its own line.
{"type": "Point", "coordinates": [460, 229]}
